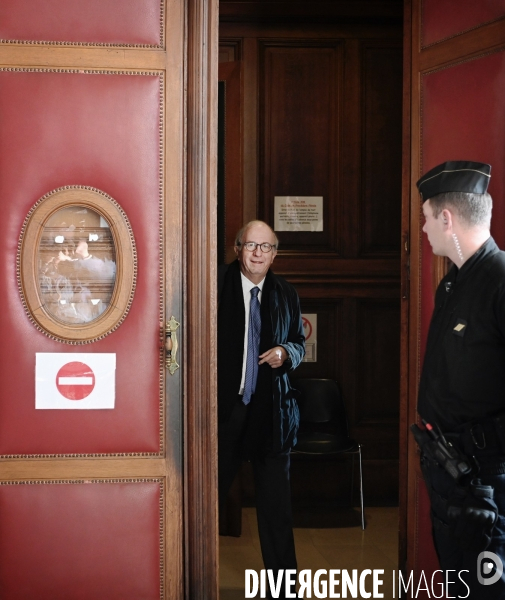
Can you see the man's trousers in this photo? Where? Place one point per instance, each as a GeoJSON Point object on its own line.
{"type": "Point", "coordinates": [272, 489]}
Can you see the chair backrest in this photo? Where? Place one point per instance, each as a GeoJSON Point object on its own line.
{"type": "Point", "coordinates": [321, 402]}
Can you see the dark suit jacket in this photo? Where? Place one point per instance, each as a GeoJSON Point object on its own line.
{"type": "Point", "coordinates": [286, 330]}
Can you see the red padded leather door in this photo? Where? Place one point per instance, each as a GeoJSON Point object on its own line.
{"type": "Point", "coordinates": [88, 98]}
{"type": "Point", "coordinates": [457, 83]}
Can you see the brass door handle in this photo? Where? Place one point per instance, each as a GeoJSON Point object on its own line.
{"type": "Point", "coordinates": [171, 345]}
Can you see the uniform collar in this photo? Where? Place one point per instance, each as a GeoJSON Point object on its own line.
{"type": "Point", "coordinates": [488, 248]}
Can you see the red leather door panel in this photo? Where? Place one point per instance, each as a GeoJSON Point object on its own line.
{"type": "Point", "coordinates": [463, 116]}
{"type": "Point", "coordinates": [103, 22]}
{"type": "Point", "coordinates": [81, 540]}
{"type": "Point", "coordinates": [443, 19]}
{"type": "Point", "coordinates": [101, 130]}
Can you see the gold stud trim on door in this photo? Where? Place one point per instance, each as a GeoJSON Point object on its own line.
{"type": "Point", "coordinates": [31, 291]}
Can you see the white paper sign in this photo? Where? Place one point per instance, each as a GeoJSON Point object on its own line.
{"type": "Point", "coordinates": [298, 213]}
{"type": "Point", "coordinates": [74, 381]}
{"type": "Point", "coordinates": [310, 330]}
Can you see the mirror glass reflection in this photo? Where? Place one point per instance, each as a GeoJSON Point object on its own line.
{"type": "Point", "coordinates": [76, 265]}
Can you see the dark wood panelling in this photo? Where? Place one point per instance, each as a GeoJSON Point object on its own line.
{"type": "Point", "coordinates": [322, 117]}
{"type": "Point", "coordinates": [315, 483]}
{"type": "Point", "coordinates": [230, 206]}
{"type": "Point", "coordinates": [327, 269]}
{"type": "Point", "coordinates": [330, 481]}
{"type": "Point", "coordinates": [299, 114]}
{"type": "Point", "coordinates": [377, 367]}
{"type": "Point", "coordinates": [226, 54]}
{"type": "Point", "coordinates": [329, 337]}
{"type": "Point", "coordinates": [316, 10]}
{"type": "Point", "coordinates": [230, 50]}
{"type": "Point", "coordinates": [382, 150]}
{"type": "Point", "coordinates": [358, 346]}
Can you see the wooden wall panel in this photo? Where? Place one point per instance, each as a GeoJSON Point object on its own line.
{"type": "Point", "coordinates": [381, 151]}
{"type": "Point", "coordinates": [357, 340]}
{"type": "Point", "coordinates": [299, 124]}
{"type": "Point", "coordinates": [286, 11]}
{"type": "Point", "coordinates": [329, 339]}
{"type": "Point", "coordinates": [377, 377]}
{"type": "Point", "coordinates": [230, 50]}
{"type": "Point", "coordinates": [378, 362]}
{"type": "Point", "coordinates": [322, 116]}
{"type": "Point", "coordinates": [230, 159]}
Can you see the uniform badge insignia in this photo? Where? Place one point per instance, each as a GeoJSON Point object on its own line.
{"type": "Point", "coordinates": [460, 327]}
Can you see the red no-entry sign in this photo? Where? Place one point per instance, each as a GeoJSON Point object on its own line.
{"type": "Point", "coordinates": [75, 380]}
{"type": "Point", "coordinates": [307, 326]}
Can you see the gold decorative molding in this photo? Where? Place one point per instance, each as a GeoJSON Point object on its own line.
{"type": "Point", "coordinates": [126, 264]}
{"type": "Point", "coordinates": [83, 71]}
{"type": "Point", "coordinates": [78, 481]}
{"type": "Point", "coordinates": [85, 44]}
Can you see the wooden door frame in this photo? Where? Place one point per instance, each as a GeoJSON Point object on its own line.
{"type": "Point", "coordinates": [200, 371]}
{"type": "Point", "coordinates": [410, 368]}
{"type": "Point", "coordinates": [410, 471]}
{"type": "Point", "coordinates": [409, 272]}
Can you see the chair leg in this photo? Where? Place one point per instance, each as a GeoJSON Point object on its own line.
{"type": "Point", "coordinates": [363, 525]}
{"type": "Point", "coordinates": [352, 478]}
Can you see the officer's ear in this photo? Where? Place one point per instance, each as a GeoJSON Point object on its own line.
{"type": "Point", "coordinates": [236, 249]}
{"type": "Point", "coordinates": [446, 217]}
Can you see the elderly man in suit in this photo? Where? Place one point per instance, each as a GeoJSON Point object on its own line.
{"type": "Point", "coordinates": [260, 340]}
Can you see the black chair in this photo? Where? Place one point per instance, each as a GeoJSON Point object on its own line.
{"type": "Point", "coordinates": [324, 430]}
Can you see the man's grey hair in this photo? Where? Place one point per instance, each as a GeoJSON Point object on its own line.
{"type": "Point", "coordinates": [240, 235]}
{"type": "Point", "coordinates": [472, 209]}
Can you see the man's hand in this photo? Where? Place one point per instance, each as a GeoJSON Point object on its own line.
{"type": "Point", "coordinates": [62, 256]}
{"type": "Point", "coordinates": [274, 357]}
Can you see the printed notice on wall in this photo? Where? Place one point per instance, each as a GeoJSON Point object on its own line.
{"type": "Point", "coordinates": [310, 330]}
{"type": "Point", "coordinates": [298, 213]}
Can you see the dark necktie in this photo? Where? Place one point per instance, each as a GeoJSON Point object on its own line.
{"type": "Point", "coordinates": [253, 347]}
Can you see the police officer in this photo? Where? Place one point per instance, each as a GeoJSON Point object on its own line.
{"type": "Point", "coordinates": [462, 387]}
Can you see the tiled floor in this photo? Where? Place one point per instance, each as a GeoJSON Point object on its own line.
{"type": "Point", "coordinates": [331, 541]}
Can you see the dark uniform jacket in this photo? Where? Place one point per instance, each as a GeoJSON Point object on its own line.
{"type": "Point", "coordinates": [274, 415]}
{"type": "Point", "coordinates": [463, 377]}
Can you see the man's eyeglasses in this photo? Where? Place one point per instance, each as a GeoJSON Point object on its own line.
{"type": "Point", "coordinates": [251, 246]}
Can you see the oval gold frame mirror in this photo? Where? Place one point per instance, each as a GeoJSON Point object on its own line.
{"type": "Point", "coordinates": [125, 256]}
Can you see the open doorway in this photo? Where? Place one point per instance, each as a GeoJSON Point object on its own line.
{"type": "Point", "coordinates": [317, 112]}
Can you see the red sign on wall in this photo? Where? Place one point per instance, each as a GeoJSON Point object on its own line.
{"type": "Point", "coordinates": [75, 380]}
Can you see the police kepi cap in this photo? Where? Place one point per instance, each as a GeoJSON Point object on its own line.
{"type": "Point", "coordinates": [455, 176]}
